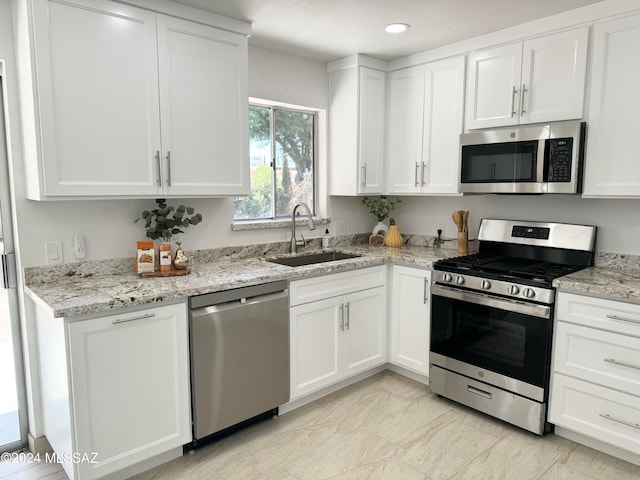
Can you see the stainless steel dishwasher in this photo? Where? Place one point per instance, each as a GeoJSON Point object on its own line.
{"type": "Point", "coordinates": [239, 356]}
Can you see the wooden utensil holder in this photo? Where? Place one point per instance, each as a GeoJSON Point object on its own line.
{"type": "Point", "coordinates": [463, 242]}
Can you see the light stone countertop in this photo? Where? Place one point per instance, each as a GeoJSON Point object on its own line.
{"type": "Point", "coordinates": [605, 282]}
{"type": "Point", "coordinates": [75, 293]}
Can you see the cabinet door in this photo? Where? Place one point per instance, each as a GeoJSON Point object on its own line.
{"type": "Point", "coordinates": [365, 330]}
{"type": "Point", "coordinates": [406, 110]}
{"type": "Point", "coordinates": [204, 109]}
{"type": "Point", "coordinates": [96, 67]}
{"type": "Point", "coordinates": [612, 168]}
{"type": "Point", "coordinates": [315, 330]}
{"type": "Point", "coordinates": [371, 132]}
{"type": "Point", "coordinates": [493, 89]}
{"type": "Point", "coordinates": [553, 77]}
{"type": "Point", "coordinates": [410, 319]}
{"type": "Point", "coordinates": [130, 385]}
{"type": "Point", "coordinates": [444, 105]}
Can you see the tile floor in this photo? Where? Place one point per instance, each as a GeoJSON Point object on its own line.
{"type": "Point", "coordinates": [385, 427]}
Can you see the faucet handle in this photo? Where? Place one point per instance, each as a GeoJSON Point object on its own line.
{"type": "Point", "coordinates": [301, 243]}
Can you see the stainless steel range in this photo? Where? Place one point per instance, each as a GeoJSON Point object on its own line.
{"type": "Point", "coordinates": [492, 317]}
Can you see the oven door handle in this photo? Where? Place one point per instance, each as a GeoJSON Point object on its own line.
{"type": "Point", "coordinates": [516, 306]}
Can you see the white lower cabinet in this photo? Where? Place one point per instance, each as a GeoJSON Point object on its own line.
{"type": "Point", "coordinates": [340, 336]}
{"type": "Point", "coordinates": [595, 383]}
{"type": "Point", "coordinates": [409, 321]}
{"type": "Point", "coordinates": [115, 388]}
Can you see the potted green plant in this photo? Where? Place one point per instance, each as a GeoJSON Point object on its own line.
{"type": "Point", "coordinates": [380, 208]}
{"type": "Point", "coordinates": [163, 222]}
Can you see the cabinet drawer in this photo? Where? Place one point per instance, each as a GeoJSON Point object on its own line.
{"type": "Point", "coordinates": [327, 286]}
{"type": "Point", "coordinates": [609, 416]}
{"type": "Point", "coordinates": [620, 317]}
{"type": "Point", "coordinates": [609, 359]}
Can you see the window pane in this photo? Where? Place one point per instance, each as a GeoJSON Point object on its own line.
{"type": "Point", "coordinates": [259, 203]}
{"type": "Point", "coordinates": [293, 131]}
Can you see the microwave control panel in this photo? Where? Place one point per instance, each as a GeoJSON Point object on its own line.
{"type": "Point", "coordinates": [559, 159]}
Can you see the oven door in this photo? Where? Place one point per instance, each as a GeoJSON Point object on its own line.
{"type": "Point", "coordinates": [499, 341]}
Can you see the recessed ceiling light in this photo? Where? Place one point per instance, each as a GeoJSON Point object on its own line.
{"type": "Point", "coordinates": [396, 27]}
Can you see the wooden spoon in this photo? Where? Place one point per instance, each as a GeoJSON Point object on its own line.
{"type": "Point", "coordinates": [457, 219]}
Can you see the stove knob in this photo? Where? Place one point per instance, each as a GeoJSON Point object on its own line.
{"type": "Point", "coordinates": [529, 292]}
{"type": "Point", "coordinates": [459, 280]}
{"type": "Point", "coordinates": [485, 284]}
{"type": "Point", "coordinates": [514, 290]}
{"type": "Point", "coordinates": [446, 278]}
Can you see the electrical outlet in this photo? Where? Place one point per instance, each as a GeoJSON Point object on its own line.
{"type": "Point", "coordinates": [441, 225]}
{"type": "Point", "coordinates": [340, 227]}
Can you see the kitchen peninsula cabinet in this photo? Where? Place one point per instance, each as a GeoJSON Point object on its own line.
{"type": "Point", "coordinates": [337, 327]}
{"type": "Point", "coordinates": [409, 322]}
{"type": "Point", "coordinates": [539, 80]}
{"type": "Point", "coordinates": [425, 122]}
{"type": "Point", "coordinates": [595, 382]}
{"type": "Point", "coordinates": [611, 166]}
{"type": "Point", "coordinates": [120, 101]}
{"type": "Point", "coordinates": [357, 93]}
{"type": "Point", "coordinates": [116, 386]}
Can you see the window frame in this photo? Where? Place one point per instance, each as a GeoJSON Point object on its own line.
{"type": "Point", "coordinates": [315, 116]}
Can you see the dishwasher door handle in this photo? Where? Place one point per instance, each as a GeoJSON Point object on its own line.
{"type": "Point", "coordinates": [239, 303]}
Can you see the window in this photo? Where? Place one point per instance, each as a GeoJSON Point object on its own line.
{"type": "Point", "coordinates": [282, 152]}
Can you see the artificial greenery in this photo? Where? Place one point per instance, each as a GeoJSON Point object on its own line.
{"type": "Point", "coordinates": [380, 207]}
{"type": "Point", "coordinates": [167, 220]}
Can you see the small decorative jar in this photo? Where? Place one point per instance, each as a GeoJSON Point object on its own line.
{"type": "Point", "coordinates": [393, 238]}
{"type": "Point", "coordinates": [164, 257]}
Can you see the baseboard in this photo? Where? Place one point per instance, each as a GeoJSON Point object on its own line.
{"type": "Point", "coordinates": [312, 397]}
{"type": "Point", "coordinates": [39, 445]}
{"type": "Point", "coordinates": [598, 445]}
{"type": "Point", "coordinates": [418, 377]}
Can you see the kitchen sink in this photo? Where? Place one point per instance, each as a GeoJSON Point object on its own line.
{"type": "Point", "coordinates": [312, 258]}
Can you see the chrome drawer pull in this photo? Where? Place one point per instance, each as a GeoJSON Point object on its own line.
{"type": "Point", "coordinates": [630, 320]}
{"type": "Point", "coordinates": [342, 318]}
{"type": "Point", "coordinates": [477, 391]}
{"type": "Point", "coordinates": [346, 307]}
{"type": "Point", "coordinates": [624, 364]}
{"type": "Point", "coordinates": [131, 319]}
{"type": "Point", "coordinates": [618, 420]}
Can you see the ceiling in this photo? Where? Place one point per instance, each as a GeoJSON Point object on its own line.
{"type": "Point", "coordinates": [330, 29]}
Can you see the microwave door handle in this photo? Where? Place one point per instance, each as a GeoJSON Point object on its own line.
{"type": "Point", "coordinates": [515, 306]}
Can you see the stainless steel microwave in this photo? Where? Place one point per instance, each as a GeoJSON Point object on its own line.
{"type": "Point", "coordinates": [533, 159]}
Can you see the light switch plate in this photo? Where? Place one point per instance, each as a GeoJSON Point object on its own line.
{"type": "Point", "coordinates": [53, 252]}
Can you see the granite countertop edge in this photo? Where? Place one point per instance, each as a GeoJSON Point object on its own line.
{"type": "Point", "coordinates": [79, 293]}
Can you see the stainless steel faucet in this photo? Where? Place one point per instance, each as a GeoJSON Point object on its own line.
{"type": "Point", "coordinates": [295, 243]}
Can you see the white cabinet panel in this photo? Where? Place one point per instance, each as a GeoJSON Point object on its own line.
{"type": "Point", "coordinates": [425, 123]}
{"type": "Point", "coordinates": [409, 322]}
{"type": "Point", "coordinates": [612, 168]}
{"type": "Point", "coordinates": [539, 80]}
{"type": "Point", "coordinates": [204, 112]}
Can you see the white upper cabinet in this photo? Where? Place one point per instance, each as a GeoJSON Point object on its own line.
{"type": "Point", "coordinates": [356, 128]}
{"type": "Point", "coordinates": [612, 168]}
{"type": "Point", "coordinates": [425, 122]}
{"type": "Point", "coordinates": [539, 80]}
{"type": "Point", "coordinates": [122, 101]}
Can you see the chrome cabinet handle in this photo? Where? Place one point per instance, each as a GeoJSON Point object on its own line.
{"type": "Point", "coordinates": [168, 168]}
{"type": "Point", "coordinates": [347, 309]}
{"type": "Point", "coordinates": [364, 175]}
{"type": "Point", "coordinates": [630, 320]}
{"type": "Point", "coordinates": [159, 167]}
{"type": "Point", "coordinates": [522, 101]}
{"type": "Point", "coordinates": [422, 174]}
{"type": "Point", "coordinates": [342, 318]}
{"type": "Point", "coordinates": [622, 364]}
{"type": "Point", "coordinates": [513, 102]}
{"type": "Point", "coordinates": [415, 177]}
{"type": "Point", "coordinates": [619, 420]}
{"type": "Point", "coordinates": [424, 291]}
{"type": "Point", "coordinates": [477, 391]}
{"type": "Point", "coordinates": [131, 319]}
